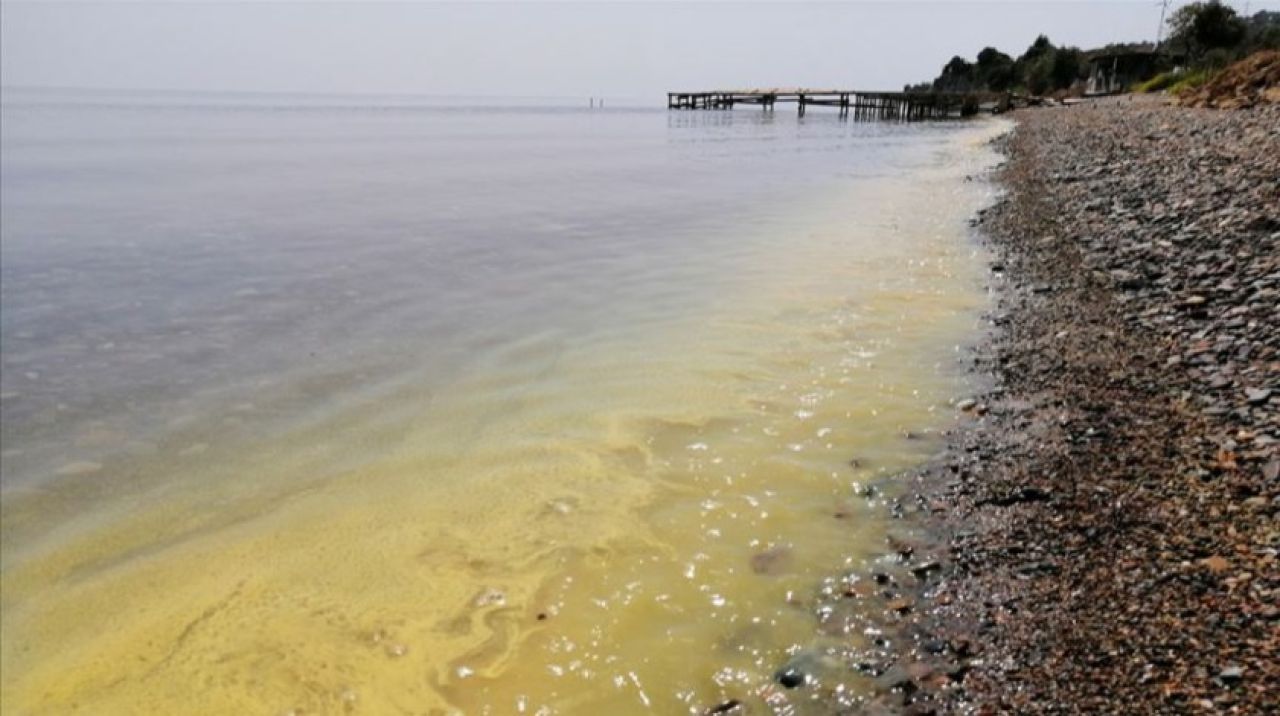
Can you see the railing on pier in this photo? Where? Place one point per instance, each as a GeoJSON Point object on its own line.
{"type": "Point", "coordinates": [888, 106]}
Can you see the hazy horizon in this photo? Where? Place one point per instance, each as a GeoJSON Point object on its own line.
{"type": "Point", "coordinates": [529, 49]}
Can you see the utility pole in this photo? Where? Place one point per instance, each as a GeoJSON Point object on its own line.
{"type": "Point", "coordinates": [1164, 7]}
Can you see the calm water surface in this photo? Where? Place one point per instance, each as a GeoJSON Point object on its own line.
{"type": "Point", "coordinates": [341, 405]}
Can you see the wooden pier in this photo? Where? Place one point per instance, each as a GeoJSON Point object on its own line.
{"type": "Point", "coordinates": [883, 106]}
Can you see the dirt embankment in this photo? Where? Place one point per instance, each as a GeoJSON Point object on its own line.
{"type": "Point", "coordinates": [1112, 515]}
{"type": "Point", "coordinates": [1253, 80]}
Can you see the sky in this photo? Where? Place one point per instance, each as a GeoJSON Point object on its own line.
{"type": "Point", "coordinates": [602, 48]}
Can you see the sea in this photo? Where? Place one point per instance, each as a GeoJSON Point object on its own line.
{"type": "Point", "coordinates": [339, 404]}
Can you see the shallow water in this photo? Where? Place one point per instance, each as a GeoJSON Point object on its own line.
{"type": "Point", "coordinates": [354, 405]}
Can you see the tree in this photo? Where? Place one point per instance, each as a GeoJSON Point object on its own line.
{"type": "Point", "coordinates": [1039, 75]}
{"type": "Point", "coordinates": [1066, 67]}
{"type": "Point", "coordinates": [1034, 68]}
{"type": "Point", "coordinates": [994, 70]}
{"type": "Point", "coordinates": [957, 76]}
{"type": "Point", "coordinates": [1038, 49]}
{"type": "Point", "coordinates": [1263, 31]}
{"type": "Point", "coordinates": [1203, 26]}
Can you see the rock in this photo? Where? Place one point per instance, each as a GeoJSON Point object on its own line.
{"type": "Point", "coordinates": [791, 678]}
{"type": "Point", "coordinates": [1020, 495]}
{"type": "Point", "coordinates": [923, 569]}
{"type": "Point", "coordinates": [933, 646]}
{"type": "Point", "coordinates": [725, 707]}
{"type": "Point", "coordinates": [1127, 280]}
{"type": "Point", "coordinates": [1216, 564]}
{"type": "Point", "coordinates": [1257, 396]}
{"type": "Point", "coordinates": [1031, 569]}
{"type": "Point", "coordinates": [1231, 674]}
{"type": "Point", "coordinates": [775, 560]}
{"type": "Point", "coordinates": [1271, 470]}
{"type": "Point", "coordinates": [901, 605]}
{"type": "Point", "coordinates": [396, 651]}
{"type": "Point", "coordinates": [966, 405]}
{"type": "Point", "coordinates": [489, 596]}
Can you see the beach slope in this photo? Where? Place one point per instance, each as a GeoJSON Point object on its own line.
{"type": "Point", "coordinates": [1111, 513]}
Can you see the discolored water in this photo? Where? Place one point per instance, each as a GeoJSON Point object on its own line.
{"type": "Point", "coordinates": [343, 405]}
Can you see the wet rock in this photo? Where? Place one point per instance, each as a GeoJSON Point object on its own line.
{"type": "Point", "coordinates": [807, 666]}
{"type": "Point", "coordinates": [791, 678]}
{"type": "Point", "coordinates": [933, 646]}
{"type": "Point", "coordinates": [870, 667]}
{"type": "Point", "coordinates": [900, 605]}
{"type": "Point", "coordinates": [489, 596]}
{"type": "Point", "coordinates": [904, 549]}
{"type": "Point", "coordinates": [772, 561]}
{"type": "Point", "coordinates": [925, 568]}
{"type": "Point", "coordinates": [396, 651]}
{"type": "Point", "coordinates": [957, 672]}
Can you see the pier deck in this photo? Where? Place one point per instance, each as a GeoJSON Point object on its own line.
{"type": "Point", "coordinates": [862, 105]}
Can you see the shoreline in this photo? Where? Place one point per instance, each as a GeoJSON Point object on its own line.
{"type": "Point", "coordinates": [1106, 524]}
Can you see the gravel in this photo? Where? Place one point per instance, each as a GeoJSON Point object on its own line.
{"type": "Point", "coordinates": [1109, 524]}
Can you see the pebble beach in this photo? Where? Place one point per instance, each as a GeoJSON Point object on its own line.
{"type": "Point", "coordinates": [1108, 516]}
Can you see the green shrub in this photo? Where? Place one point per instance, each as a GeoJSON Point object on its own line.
{"type": "Point", "coordinates": [1160, 82]}
{"type": "Point", "coordinates": [1191, 80]}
